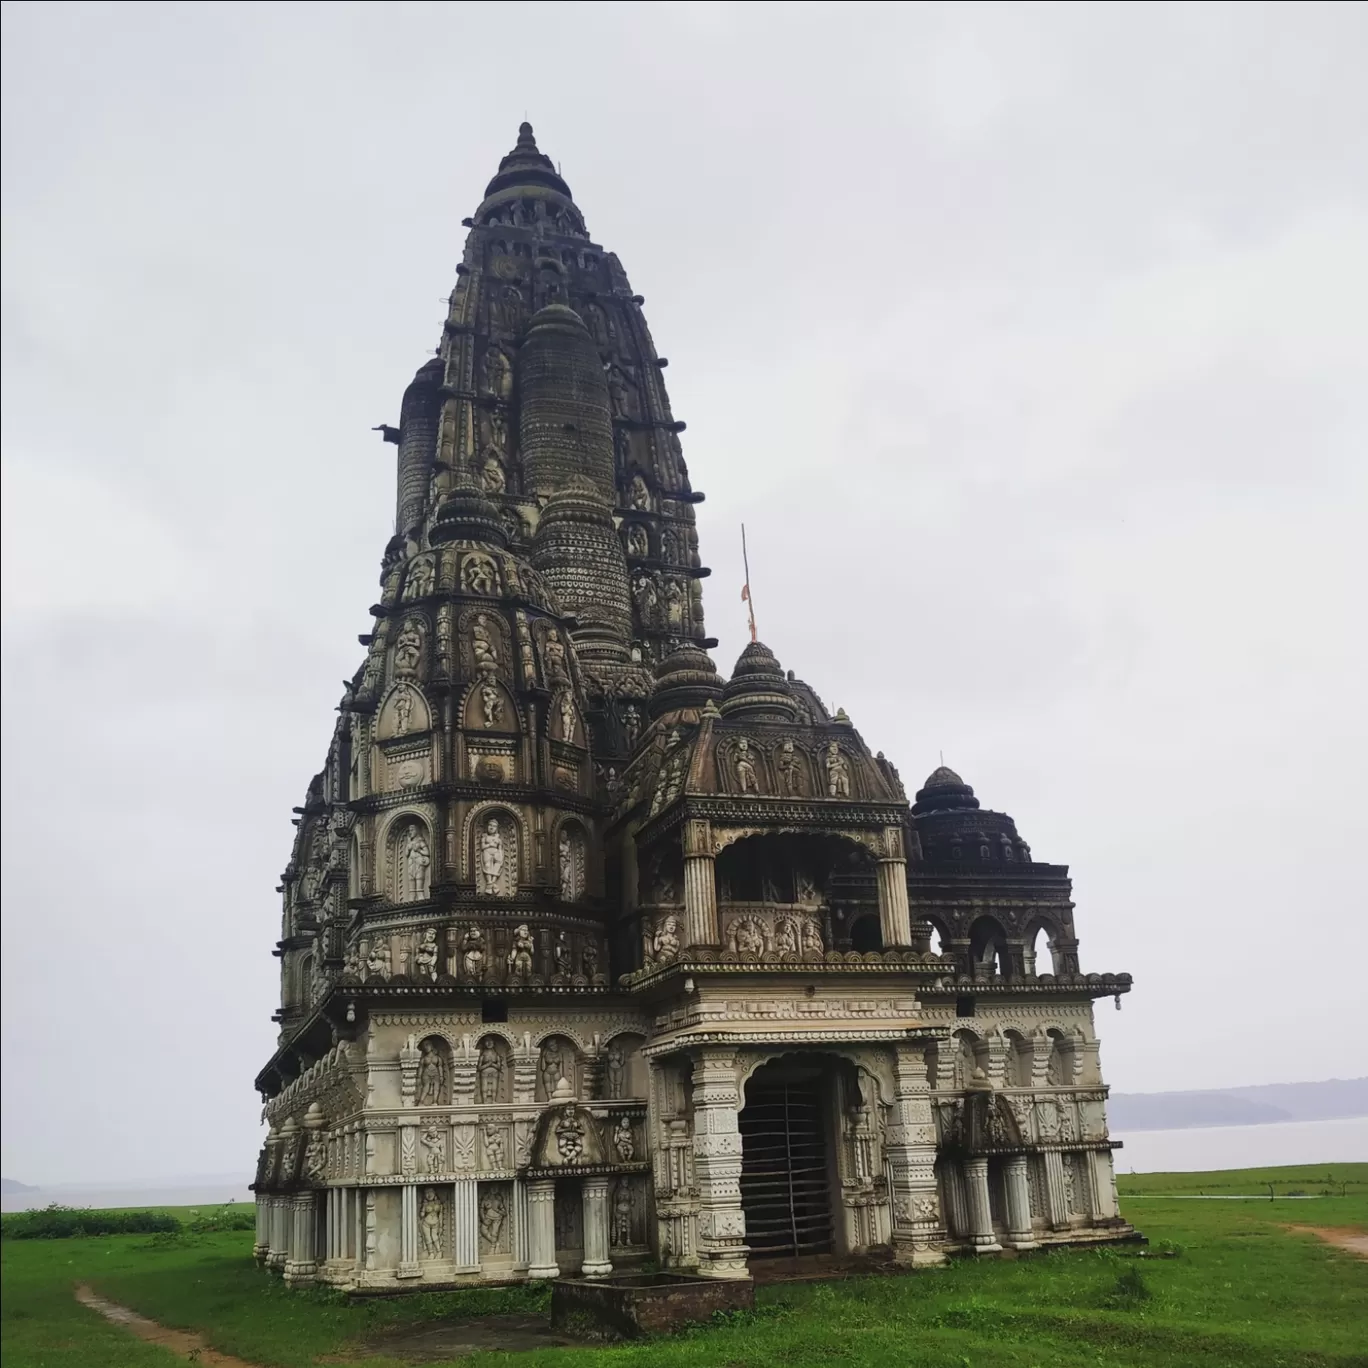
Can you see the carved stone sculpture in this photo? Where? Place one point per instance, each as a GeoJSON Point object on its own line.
{"type": "Point", "coordinates": [432, 1079]}
{"type": "Point", "coordinates": [473, 955]}
{"type": "Point", "coordinates": [569, 1136]}
{"type": "Point", "coordinates": [616, 1074]}
{"type": "Point", "coordinates": [623, 1213]}
{"type": "Point", "coordinates": [623, 1142]}
{"type": "Point", "coordinates": [378, 961]}
{"type": "Point", "coordinates": [554, 655]}
{"type": "Point", "coordinates": [408, 647]}
{"type": "Point", "coordinates": [431, 1216]}
{"type": "Point", "coordinates": [482, 645]}
{"type": "Point", "coordinates": [489, 1071]}
{"type": "Point", "coordinates": [434, 1147]}
{"type": "Point", "coordinates": [520, 956]}
{"type": "Point", "coordinates": [492, 857]}
{"type": "Point", "coordinates": [790, 768]}
{"type": "Point", "coordinates": [838, 772]}
{"type": "Point", "coordinates": [426, 956]}
{"type": "Point", "coordinates": [478, 575]}
{"type": "Point", "coordinates": [744, 766]}
{"type": "Point", "coordinates": [666, 942]}
{"type": "Point", "coordinates": [492, 1138]}
{"type": "Point", "coordinates": [493, 1218]}
{"type": "Point", "coordinates": [551, 1066]}
{"type": "Point", "coordinates": [415, 863]}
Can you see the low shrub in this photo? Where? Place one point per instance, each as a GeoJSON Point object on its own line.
{"type": "Point", "coordinates": [64, 1223]}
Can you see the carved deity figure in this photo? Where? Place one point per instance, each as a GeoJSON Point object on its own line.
{"type": "Point", "coordinates": [491, 857]}
{"type": "Point", "coordinates": [744, 765]}
{"type": "Point", "coordinates": [491, 1138]}
{"type": "Point", "coordinates": [589, 960]}
{"type": "Point", "coordinates": [749, 939]}
{"type": "Point", "coordinates": [838, 772]}
{"type": "Point", "coordinates": [478, 575]}
{"type": "Point", "coordinates": [666, 943]}
{"type": "Point", "coordinates": [473, 955]}
{"type": "Point", "coordinates": [638, 495]}
{"type": "Point", "coordinates": [619, 391]}
{"type": "Point", "coordinates": [431, 1076]}
{"type": "Point", "coordinates": [415, 861]}
{"type": "Point", "coordinates": [623, 1142]}
{"type": "Point", "coordinates": [786, 937]}
{"type": "Point", "coordinates": [493, 1215]}
{"type": "Point", "coordinates": [430, 1223]}
{"type": "Point", "coordinates": [790, 768]}
{"type": "Point", "coordinates": [646, 598]}
{"type": "Point", "coordinates": [674, 607]}
{"type": "Point", "coordinates": [560, 954]}
{"type": "Point", "coordinates": [434, 1146]}
{"type": "Point", "coordinates": [482, 647]}
{"type": "Point", "coordinates": [551, 1066]}
{"type": "Point", "coordinates": [492, 480]}
{"type": "Point", "coordinates": [489, 1071]}
{"type": "Point", "coordinates": [812, 940]}
{"type": "Point", "coordinates": [617, 1069]}
{"type": "Point", "coordinates": [520, 956]}
{"type": "Point", "coordinates": [508, 308]}
{"type": "Point", "coordinates": [554, 655]}
{"type": "Point", "coordinates": [426, 955]}
{"type": "Point", "coordinates": [408, 647]}
{"type": "Point", "coordinates": [316, 1157]}
{"type": "Point", "coordinates": [805, 889]}
{"type": "Point", "coordinates": [378, 961]}
{"type": "Point", "coordinates": [498, 375]}
{"type": "Point", "coordinates": [569, 881]}
{"type": "Point", "coordinates": [418, 584]}
{"type": "Point", "coordinates": [622, 1215]}
{"type": "Point", "coordinates": [631, 725]}
{"type": "Point", "coordinates": [638, 541]}
{"type": "Point", "coordinates": [491, 704]}
{"type": "Point", "coordinates": [569, 722]}
{"type": "Point", "coordinates": [569, 1135]}
{"type": "Point", "coordinates": [403, 712]}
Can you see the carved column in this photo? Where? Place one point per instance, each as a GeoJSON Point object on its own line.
{"type": "Point", "coordinates": [302, 1263]}
{"type": "Point", "coordinates": [465, 1225]}
{"type": "Point", "coordinates": [700, 886]}
{"type": "Point", "coordinates": [717, 1166]}
{"type": "Point", "coordinates": [895, 919]}
{"type": "Point", "coordinates": [280, 1232]}
{"type": "Point", "coordinates": [1055, 1192]}
{"type": "Point", "coordinates": [980, 1210]}
{"type": "Point", "coordinates": [1103, 1186]}
{"type": "Point", "coordinates": [261, 1246]}
{"type": "Point", "coordinates": [595, 1196]}
{"type": "Point", "coordinates": [520, 1231]}
{"type": "Point", "coordinates": [910, 1153]}
{"type": "Point", "coordinates": [1019, 1232]}
{"type": "Point", "coordinates": [541, 1229]}
{"type": "Point", "coordinates": [408, 1232]}
{"type": "Point", "coordinates": [956, 1204]}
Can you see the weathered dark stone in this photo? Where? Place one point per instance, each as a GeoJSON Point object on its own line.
{"type": "Point", "coordinates": [635, 1304]}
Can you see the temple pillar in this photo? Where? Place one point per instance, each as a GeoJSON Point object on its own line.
{"type": "Point", "coordinates": [1103, 1186]}
{"type": "Point", "coordinates": [408, 1233]}
{"type": "Point", "coordinates": [302, 1263]}
{"type": "Point", "coordinates": [261, 1245]}
{"type": "Point", "coordinates": [956, 1204]}
{"type": "Point", "coordinates": [541, 1229]}
{"type": "Point", "coordinates": [1056, 1194]}
{"type": "Point", "coordinates": [1019, 1232]}
{"type": "Point", "coordinates": [717, 1166]}
{"type": "Point", "coordinates": [910, 1155]}
{"type": "Point", "coordinates": [700, 886]}
{"type": "Point", "coordinates": [520, 1232]}
{"type": "Point", "coordinates": [981, 1232]}
{"type": "Point", "coordinates": [465, 1225]}
{"type": "Point", "coordinates": [280, 1236]}
{"type": "Point", "coordinates": [595, 1198]}
{"type": "Point", "coordinates": [895, 918]}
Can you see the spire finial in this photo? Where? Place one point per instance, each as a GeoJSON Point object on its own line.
{"type": "Point", "coordinates": [526, 139]}
{"type": "Point", "coordinates": [745, 589]}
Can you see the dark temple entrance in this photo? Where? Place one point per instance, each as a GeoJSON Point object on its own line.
{"type": "Point", "coordinates": [785, 1178]}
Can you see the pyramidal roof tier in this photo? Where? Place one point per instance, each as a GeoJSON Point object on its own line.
{"type": "Point", "coordinates": [526, 168]}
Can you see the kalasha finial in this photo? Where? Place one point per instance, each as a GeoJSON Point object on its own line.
{"type": "Point", "coordinates": [525, 137]}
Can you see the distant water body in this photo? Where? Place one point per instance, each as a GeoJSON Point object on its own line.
{"type": "Point", "coordinates": [1175, 1151]}
{"type": "Point", "coordinates": [1197, 1149]}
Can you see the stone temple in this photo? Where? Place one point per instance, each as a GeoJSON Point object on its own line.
{"type": "Point", "coordinates": [591, 956]}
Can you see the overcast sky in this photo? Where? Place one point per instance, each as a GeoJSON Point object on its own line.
{"type": "Point", "coordinates": [1029, 342]}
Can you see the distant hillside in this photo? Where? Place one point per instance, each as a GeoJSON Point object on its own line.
{"type": "Point", "coordinates": [9, 1185]}
{"type": "Point", "coordinates": [1326, 1101]}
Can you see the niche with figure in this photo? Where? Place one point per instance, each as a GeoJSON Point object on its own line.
{"type": "Point", "coordinates": [433, 1087]}
{"type": "Point", "coordinates": [494, 853]}
{"type": "Point", "coordinates": [557, 1059]}
{"type": "Point", "coordinates": [624, 1068]}
{"type": "Point", "coordinates": [571, 848]}
{"type": "Point", "coordinates": [493, 1072]}
{"type": "Point", "coordinates": [410, 860]}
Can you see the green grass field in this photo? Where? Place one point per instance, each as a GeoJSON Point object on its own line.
{"type": "Point", "coordinates": [1223, 1283]}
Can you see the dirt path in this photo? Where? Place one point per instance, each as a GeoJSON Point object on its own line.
{"type": "Point", "coordinates": [1355, 1241]}
{"type": "Point", "coordinates": [181, 1342]}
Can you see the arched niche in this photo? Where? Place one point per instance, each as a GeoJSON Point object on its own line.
{"type": "Point", "coordinates": [971, 1054]}
{"type": "Point", "coordinates": [988, 948]}
{"type": "Point", "coordinates": [404, 711]}
{"type": "Point", "coordinates": [1042, 955]}
{"type": "Point", "coordinates": [489, 708]}
{"type": "Point", "coordinates": [625, 1072]}
{"type": "Point", "coordinates": [409, 858]}
{"type": "Point", "coordinates": [572, 852]}
{"type": "Point", "coordinates": [558, 1057]}
{"type": "Point", "coordinates": [432, 1088]}
{"type": "Point", "coordinates": [1061, 1069]}
{"type": "Point", "coordinates": [493, 1070]}
{"type": "Point", "coordinates": [494, 841]}
{"type": "Point", "coordinates": [1018, 1063]}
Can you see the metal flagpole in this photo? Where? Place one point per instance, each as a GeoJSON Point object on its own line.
{"type": "Point", "coordinates": [746, 589]}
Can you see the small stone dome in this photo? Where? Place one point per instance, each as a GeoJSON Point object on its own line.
{"type": "Point", "coordinates": [685, 681]}
{"type": "Point", "coordinates": [466, 515]}
{"type": "Point", "coordinates": [758, 687]}
{"type": "Point", "coordinates": [944, 791]}
{"type": "Point", "coordinates": [527, 165]}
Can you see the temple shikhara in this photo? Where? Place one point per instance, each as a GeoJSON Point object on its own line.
{"type": "Point", "coordinates": [592, 956]}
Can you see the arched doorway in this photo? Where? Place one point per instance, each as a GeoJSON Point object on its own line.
{"type": "Point", "coordinates": [787, 1155]}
